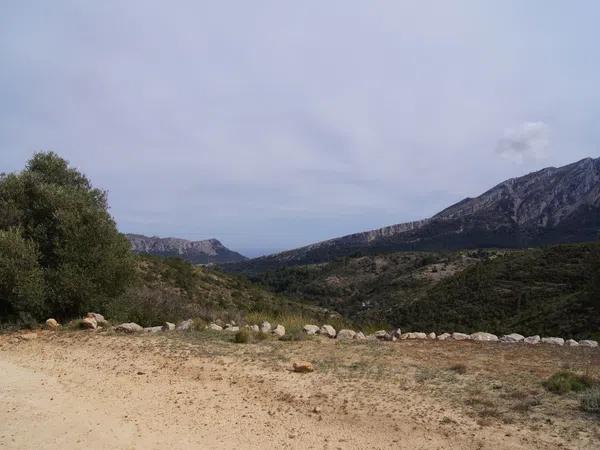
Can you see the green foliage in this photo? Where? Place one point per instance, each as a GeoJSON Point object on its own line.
{"type": "Point", "coordinates": [564, 382]}
{"type": "Point", "coordinates": [84, 260]}
{"type": "Point", "coordinates": [590, 400]}
{"type": "Point", "coordinates": [242, 337]}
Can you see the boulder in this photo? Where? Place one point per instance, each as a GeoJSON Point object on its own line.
{"type": "Point", "coordinates": [413, 336]}
{"type": "Point", "coordinates": [214, 327]}
{"type": "Point", "coordinates": [588, 343]}
{"type": "Point", "coordinates": [532, 340]}
{"type": "Point", "coordinates": [265, 327]}
{"type": "Point", "coordinates": [130, 327]}
{"type": "Point", "coordinates": [485, 337]}
{"type": "Point", "coordinates": [89, 323]}
{"type": "Point", "coordinates": [303, 367]}
{"type": "Point", "coordinates": [185, 325]}
{"type": "Point", "coordinates": [431, 335]}
{"type": "Point", "coordinates": [553, 341]}
{"type": "Point", "coordinates": [460, 337]}
{"type": "Point", "coordinates": [327, 330]}
{"type": "Point", "coordinates": [168, 326]}
{"type": "Point", "coordinates": [512, 338]}
{"type": "Point", "coordinates": [346, 335]}
{"type": "Point", "coordinates": [572, 343]}
{"type": "Point", "coordinates": [52, 324]}
{"type": "Point", "coordinates": [310, 329]}
{"type": "Point", "coordinates": [99, 318]}
{"type": "Point", "coordinates": [360, 336]}
{"type": "Point", "coordinates": [153, 329]}
{"type": "Point", "coordinates": [279, 330]}
{"type": "Point", "coordinates": [255, 328]}
{"type": "Point", "coordinates": [444, 336]}
{"type": "Point", "coordinates": [397, 333]}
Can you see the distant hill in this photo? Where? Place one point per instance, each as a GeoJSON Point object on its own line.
{"type": "Point", "coordinates": [196, 252]}
{"type": "Point", "coordinates": [553, 205]}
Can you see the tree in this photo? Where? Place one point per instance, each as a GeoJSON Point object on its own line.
{"type": "Point", "coordinates": [85, 261]}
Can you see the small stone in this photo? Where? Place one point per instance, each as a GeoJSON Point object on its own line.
{"type": "Point", "coordinates": [265, 327]}
{"type": "Point", "coordinates": [303, 367]}
{"type": "Point", "coordinates": [346, 335]}
{"type": "Point", "coordinates": [52, 324]}
{"type": "Point", "coordinates": [381, 334]}
{"type": "Point", "coordinates": [129, 327]}
{"type": "Point", "coordinates": [484, 337]}
{"type": "Point", "coordinates": [255, 328]}
{"type": "Point", "coordinates": [588, 343]}
{"type": "Point", "coordinates": [279, 330]}
{"type": "Point", "coordinates": [215, 327]}
{"type": "Point", "coordinates": [397, 333]}
{"type": "Point", "coordinates": [168, 326]}
{"type": "Point", "coordinates": [444, 336]}
{"type": "Point", "coordinates": [532, 340]}
{"type": "Point", "coordinates": [327, 330]}
{"type": "Point", "coordinates": [553, 341]}
{"type": "Point", "coordinates": [153, 329]}
{"type": "Point", "coordinates": [512, 338]}
{"type": "Point", "coordinates": [310, 329]}
{"type": "Point", "coordinates": [572, 343]}
{"type": "Point", "coordinates": [360, 336]}
{"type": "Point", "coordinates": [185, 325]}
{"type": "Point", "coordinates": [89, 323]}
{"type": "Point", "coordinates": [460, 337]}
{"type": "Point", "coordinates": [317, 409]}
{"type": "Point", "coordinates": [99, 318]}
{"type": "Point", "coordinates": [431, 335]}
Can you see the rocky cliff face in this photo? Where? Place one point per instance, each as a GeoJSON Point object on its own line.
{"type": "Point", "coordinates": [197, 252]}
{"type": "Point", "coordinates": [553, 205]}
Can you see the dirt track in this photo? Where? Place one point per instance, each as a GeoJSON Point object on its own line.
{"type": "Point", "coordinates": [83, 390]}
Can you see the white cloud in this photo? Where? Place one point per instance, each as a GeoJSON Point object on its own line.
{"type": "Point", "coordinates": [528, 141]}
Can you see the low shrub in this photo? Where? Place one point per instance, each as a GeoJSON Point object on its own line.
{"type": "Point", "coordinates": [564, 382]}
{"type": "Point", "coordinates": [242, 337]}
{"type": "Point", "coordinates": [590, 400]}
{"type": "Point", "coordinates": [458, 368]}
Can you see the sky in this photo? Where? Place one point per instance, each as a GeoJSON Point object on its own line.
{"type": "Point", "coordinates": [270, 124]}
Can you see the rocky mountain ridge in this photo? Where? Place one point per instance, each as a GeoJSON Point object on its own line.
{"type": "Point", "coordinates": [197, 252]}
{"type": "Point", "coordinates": [553, 205]}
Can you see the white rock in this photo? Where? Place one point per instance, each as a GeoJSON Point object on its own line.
{"type": "Point", "coordinates": [532, 340]}
{"type": "Point", "coordinates": [444, 336]}
{"type": "Point", "coordinates": [360, 336]}
{"type": "Point", "coordinates": [431, 335]}
{"type": "Point", "coordinates": [512, 338]}
{"type": "Point", "coordinates": [255, 328]}
{"type": "Point", "coordinates": [588, 343]}
{"type": "Point", "coordinates": [89, 323]}
{"type": "Point", "coordinates": [413, 336]}
{"type": "Point", "coordinates": [99, 318]}
{"type": "Point", "coordinates": [279, 330]}
{"type": "Point", "coordinates": [233, 329]}
{"type": "Point", "coordinates": [327, 330]}
{"type": "Point", "coordinates": [553, 341]}
{"type": "Point", "coordinates": [130, 327]}
{"type": "Point", "coordinates": [310, 329]}
{"type": "Point", "coordinates": [460, 337]}
{"type": "Point", "coordinates": [185, 325]}
{"type": "Point", "coordinates": [52, 324]}
{"type": "Point", "coordinates": [485, 337]}
{"type": "Point", "coordinates": [168, 326]}
{"type": "Point", "coordinates": [572, 343]}
{"type": "Point", "coordinates": [346, 334]}
{"type": "Point", "coordinates": [397, 333]}
{"type": "Point", "coordinates": [153, 329]}
{"type": "Point", "coordinates": [381, 334]}
{"type": "Point", "coordinates": [265, 327]}
{"type": "Point", "coordinates": [215, 327]}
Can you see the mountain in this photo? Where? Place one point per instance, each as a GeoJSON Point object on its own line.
{"type": "Point", "coordinates": [553, 205]}
{"type": "Point", "coordinates": [197, 252]}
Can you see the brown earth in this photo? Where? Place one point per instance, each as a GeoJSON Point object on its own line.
{"type": "Point", "coordinates": [72, 390]}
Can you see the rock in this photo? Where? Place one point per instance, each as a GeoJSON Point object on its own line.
{"type": "Point", "coordinates": [572, 343]}
{"type": "Point", "coordinates": [532, 340]}
{"type": "Point", "coordinates": [381, 334]}
{"type": "Point", "coordinates": [255, 328]}
{"type": "Point", "coordinates": [232, 329]}
{"type": "Point", "coordinates": [512, 338]}
{"type": "Point", "coordinates": [485, 337]}
{"type": "Point", "coordinates": [413, 336]}
{"type": "Point", "coordinates": [444, 336]}
{"type": "Point", "coordinates": [28, 336]}
{"type": "Point", "coordinates": [360, 336]}
{"type": "Point", "coordinates": [153, 329]}
{"type": "Point", "coordinates": [344, 335]}
{"type": "Point", "coordinates": [431, 335]}
{"type": "Point", "coordinates": [265, 327]}
{"type": "Point", "coordinates": [327, 330]}
{"type": "Point", "coordinates": [185, 325]}
{"type": "Point", "coordinates": [303, 367]}
{"type": "Point", "coordinates": [310, 329]}
{"type": "Point", "coordinates": [52, 324]}
{"type": "Point", "coordinates": [89, 323]}
{"type": "Point", "coordinates": [553, 341]}
{"type": "Point", "coordinates": [588, 343]}
{"type": "Point", "coordinates": [460, 337]}
{"type": "Point", "coordinates": [214, 327]}
{"type": "Point", "coordinates": [99, 318]}
{"type": "Point", "coordinates": [279, 330]}
{"type": "Point", "coordinates": [397, 333]}
{"type": "Point", "coordinates": [168, 326]}
{"type": "Point", "coordinates": [130, 327]}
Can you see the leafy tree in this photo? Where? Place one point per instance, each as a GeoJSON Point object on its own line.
{"type": "Point", "coordinates": [85, 261]}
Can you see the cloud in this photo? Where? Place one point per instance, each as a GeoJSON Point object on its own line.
{"type": "Point", "coordinates": [528, 141]}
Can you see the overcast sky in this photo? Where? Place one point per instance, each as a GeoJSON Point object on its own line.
{"type": "Point", "coordinates": [272, 124]}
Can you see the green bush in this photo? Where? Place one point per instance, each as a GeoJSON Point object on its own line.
{"type": "Point", "coordinates": [564, 382]}
{"type": "Point", "coordinates": [242, 337]}
{"type": "Point", "coordinates": [590, 400]}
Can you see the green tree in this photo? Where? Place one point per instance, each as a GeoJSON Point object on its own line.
{"type": "Point", "coordinates": [85, 261]}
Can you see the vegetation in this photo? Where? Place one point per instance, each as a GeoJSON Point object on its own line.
{"type": "Point", "coordinates": [590, 400]}
{"type": "Point", "coordinates": [60, 250]}
{"type": "Point", "coordinates": [564, 382]}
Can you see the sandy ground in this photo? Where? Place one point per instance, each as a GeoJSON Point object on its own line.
{"type": "Point", "coordinates": [94, 391]}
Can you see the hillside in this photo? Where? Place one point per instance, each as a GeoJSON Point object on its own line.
{"type": "Point", "coordinates": [196, 252]}
{"type": "Point", "coordinates": [554, 290]}
{"type": "Point", "coordinates": [551, 206]}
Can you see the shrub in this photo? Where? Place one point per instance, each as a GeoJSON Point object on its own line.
{"type": "Point", "coordinates": [458, 368]}
{"type": "Point", "coordinates": [242, 337]}
{"type": "Point", "coordinates": [590, 400]}
{"type": "Point", "coordinates": [564, 382]}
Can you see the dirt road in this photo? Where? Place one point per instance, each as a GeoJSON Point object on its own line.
{"type": "Point", "coordinates": [81, 390]}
